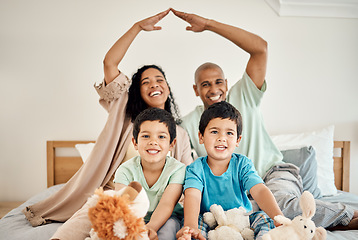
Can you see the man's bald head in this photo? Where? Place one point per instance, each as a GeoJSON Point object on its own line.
{"type": "Point", "coordinates": [205, 66]}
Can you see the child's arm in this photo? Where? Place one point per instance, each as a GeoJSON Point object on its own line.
{"type": "Point", "coordinates": [266, 201]}
{"type": "Point", "coordinates": [118, 186]}
{"type": "Point", "coordinates": [165, 207]}
{"type": "Point", "coordinates": [192, 199]}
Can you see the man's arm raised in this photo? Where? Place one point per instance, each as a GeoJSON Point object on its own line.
{"type": "Point", "coordinates": [249, 42]}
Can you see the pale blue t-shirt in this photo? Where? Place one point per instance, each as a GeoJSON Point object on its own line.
{"type": "Point", "coordinates": [256, 143]}
{"type": "Point", "coordinates": [173, 172]}
{"type": "Point", "coordinates": [228, 189]}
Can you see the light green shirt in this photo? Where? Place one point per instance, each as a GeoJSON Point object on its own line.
{"type": "Point", "coordinates": [173, 172]}
{"type": "Point", "coordinates": [256, 143]}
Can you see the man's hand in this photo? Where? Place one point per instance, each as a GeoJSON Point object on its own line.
{"type": "Point", "coordinates": [198, 24]}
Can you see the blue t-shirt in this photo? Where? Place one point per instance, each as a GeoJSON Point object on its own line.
{"type": "Point", "coordinates": [227, 190]}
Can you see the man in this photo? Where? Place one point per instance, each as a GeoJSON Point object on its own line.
{"type": "Point", "coordinates": [246, 95]}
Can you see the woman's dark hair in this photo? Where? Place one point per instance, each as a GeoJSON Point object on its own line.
{"type": "Point", "coordinates": [136, 103]}
{"type": "Point", "coordinates": [155, 114]}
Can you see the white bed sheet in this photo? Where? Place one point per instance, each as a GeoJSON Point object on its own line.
{"type": "Point", "coordinates": [14, 226]}
{"type": "Point", "coordinates": [348, 199]}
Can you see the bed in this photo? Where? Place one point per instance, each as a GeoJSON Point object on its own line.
{"type": "Point", "coordinates": [60, 168]}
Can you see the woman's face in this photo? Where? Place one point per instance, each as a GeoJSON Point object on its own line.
{"type": "Point", "coordinates": [154, 88]}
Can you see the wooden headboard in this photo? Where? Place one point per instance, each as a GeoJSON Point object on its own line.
{"type": "Point", "coordinates": [61, 168]}
{"type": "Point", "coordinates": [342, 164]}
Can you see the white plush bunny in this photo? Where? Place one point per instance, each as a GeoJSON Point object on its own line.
{"type": "Point", "coordinates": [301, 227]}
{"type": "Point", "coordinates": [231, 225]}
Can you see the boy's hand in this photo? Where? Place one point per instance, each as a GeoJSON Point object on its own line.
{"type": "Point", "coordinates": [277, 224]}
{"type": "Point", "coordinates": [198, 24]}
{"type": "Point", "coordinates": [152, 234]}
{"type": "Point", "coordinates": [187, 233]}
{"type": "Point", "coordinates": [184, 234]}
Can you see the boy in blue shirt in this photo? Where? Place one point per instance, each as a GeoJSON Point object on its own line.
{"type": "Point", "coordinates": [223, 177]}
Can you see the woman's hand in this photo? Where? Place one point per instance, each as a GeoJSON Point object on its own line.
{"type": "Point", "coordinates": [148, 24]}
{"type": "Point", "coordinates": [198, 24]}
{"type": "Point", "coordinates": [115, 55]}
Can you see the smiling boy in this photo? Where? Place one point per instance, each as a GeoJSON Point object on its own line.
{"type": "Point", "coordinates": [224, 177]}
{"type": "Point", "coordinates": [161, 176]}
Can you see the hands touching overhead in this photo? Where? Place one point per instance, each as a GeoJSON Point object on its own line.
{"type": "Point", "coordinates": [254, 45]}
{"type": "Point", "coordinates": [198, 24]}
{"type": "Point", "coordinates": [115, 55]}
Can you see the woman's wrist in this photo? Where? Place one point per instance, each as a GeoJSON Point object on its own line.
{"type": "Point", "coordinates": [136, 27]}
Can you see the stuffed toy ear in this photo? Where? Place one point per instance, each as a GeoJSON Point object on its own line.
{"type": "Point", "coordinates": [219, 214]}
{"type": "Point", "coordinates": [132, 190]}
{"type": "Point", "coordinates": [210, 219]}
{"type": "Point", "coordinates": [308, 204]}
{"type": "Point", "coordinates": [140, 204]}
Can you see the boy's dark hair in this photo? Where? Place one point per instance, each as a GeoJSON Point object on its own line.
{"type": "Point", "coordinates": [221, 110]}
{"type": "Point", "coordinates": [136, 103]}
{"type": "Point", "coordinates": [155, 114]}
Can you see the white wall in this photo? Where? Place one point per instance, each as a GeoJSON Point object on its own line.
{"type": "Point", "coordinates": [51, 53]}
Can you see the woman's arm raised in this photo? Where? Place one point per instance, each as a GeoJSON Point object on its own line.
{"type": "Point", "coordinates": [116, 53]}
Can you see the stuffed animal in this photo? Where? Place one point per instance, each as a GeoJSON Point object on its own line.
{"type": "Point", "coordinates": [118, 215]}
{"type": "Point", "coordinates": [301, 227]}
{"type": "Point", "coordinates": [230, 225]}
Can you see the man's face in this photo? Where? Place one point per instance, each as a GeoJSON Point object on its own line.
{"type": "Point", "coordinates": [211, 86]}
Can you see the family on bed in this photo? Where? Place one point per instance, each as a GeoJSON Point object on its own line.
{"type": "Point", "coordinates": [237, 159]}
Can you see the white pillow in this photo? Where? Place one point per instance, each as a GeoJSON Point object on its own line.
{"type": "Point", "coordinates": [84, 149]}
{"type": "Point", "coordinates": [322, 142]}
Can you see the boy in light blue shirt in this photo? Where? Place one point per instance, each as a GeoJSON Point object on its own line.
{"type": "Point", "coordinates": [223, 177]}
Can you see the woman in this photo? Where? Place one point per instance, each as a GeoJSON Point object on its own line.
{"type": "Point", "coordinates": [113, 143]}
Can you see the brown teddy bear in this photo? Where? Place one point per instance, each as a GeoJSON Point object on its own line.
{"type": "Point", "coordinates": [118, 215]}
